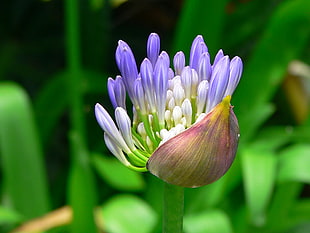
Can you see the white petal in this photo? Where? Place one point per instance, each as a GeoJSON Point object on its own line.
{"type": "Point", "coordinates": [177, 115]}
{"type": "Point", "coordinates": [187, 111]}
{"type": "Point", "coordinates": [124, 125]}
{"type": "Point", "coordinates": [108, 125]}
{"type": "Point", "coordinates": [115, 150]}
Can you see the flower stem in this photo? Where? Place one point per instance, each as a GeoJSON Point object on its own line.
{"type": "Point", "coordinates": [173, 208]}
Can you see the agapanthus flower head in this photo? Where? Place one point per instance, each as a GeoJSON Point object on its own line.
{"type": "Point", "coordinates": [183, 128]}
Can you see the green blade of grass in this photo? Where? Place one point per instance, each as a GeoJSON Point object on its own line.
{"type": "Point", "coordinates": [127, 214]}
{"type": "Point", "coordinates": [211, 221]}
{"type": "Point", "coordinates": [259, 172]}
{"type": "Point", "coordinates": [48, 114]}
{"type": "Point", "coordinates": [23, 169]}
{"type": "Point", "coordinates": [294, 164]}
{"type": "Point", "coordinates": [284, 199]}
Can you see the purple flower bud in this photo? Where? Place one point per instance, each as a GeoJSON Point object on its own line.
{"type": "Point", "coordinates": [147, 76]}
{"type": "Point", "coordinates": [127, 65]}
{"type": "Point", "coordinates": [183, 128]}
{"type": "Point", "coordinates": [118, 54]}
{"type": "Point", "coordinates": [117, 92]}
{"type": "Point", "coordinates": [161, 85]}
{"type": "Point", "coordinates": [153, 47]}
{"type": "Point", "coordinates": [198, 47]}
{"type": "Point", "coordinates": [140, 97]}
{"type": "Point", "coordinates": [186, 79]}
{"type": "Point", "coordinates": [236, 68]}
{"type": "Point", "coordinates": [179, 62]}
{"type": "Point", "coordinates": [111, 92]}
{"type": "Point", "coordinates": [218, 57]}
{"type": "Point", "coordinates": [218, 83]}
{"type": "Point", "coordinates": [165, 58]}
{"type": "Point", "coordinates": [120, 92]}
{"type": "Point", "coordinates": [204, 67]}
{"type": "Point", "coordinates": [108, 126]}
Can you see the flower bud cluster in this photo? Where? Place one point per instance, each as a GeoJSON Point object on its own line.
{"type": "Point", "coordinates": [166, 101]}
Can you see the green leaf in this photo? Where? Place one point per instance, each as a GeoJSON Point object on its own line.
{"type": "Point", "coordinates": [294, 164]}
{"type": "Point", "coordinates": [48, 113]}
{"type": "Point", "coordinates": [127, 214]}
{"type": "Point", "coordinates": [272, 138]}
{"type": "Point", "coordinates": [23, 169]}
{"type": "Point", "coordinates": [117, 175]}
{"type": "Point", "coordinates": [259, 171]}
{"type": "Point", "coordinates": [300, 212]}
{"type": "Point", "coordinates": [301, 134]}
{"type": "Point", "coordinates": [212, 221]}
{"type": "Point", "coordinates": [50, 104]}
{"type": "Point", "coordinates": [285, 38]}
{"type": "Point", "coordinates": [253, 120]}
{"type": "Point", "coordinates": [8, 216]}
{"type": "Point", "coordinates": [200, 18]}
{"type": "Point", "coordinates": [284, 199]}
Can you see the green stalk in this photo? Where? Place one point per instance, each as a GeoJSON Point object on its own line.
{"type": "Point", "coordinates": [81, 193]}
{"type": "Point", "coordinates": [74, 65]}
{"type": "Point", "coordinates": [173, 208]}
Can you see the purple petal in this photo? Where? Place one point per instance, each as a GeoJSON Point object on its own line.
{"type": "Point", "coordinates": [128, 68]}
{"type": "Point", "coordinates": [218, 83]}
{"type": "Point", "coordinates": [118, 53]}
{"type": "Point", "coordinates": [111, 83]}
{"type": "Point", "coordinates": [117, 92]}
{"type": "Point", "coordinates": [161, 85]}
{"type": "Point", "coordinates": [204, 67]}
{"type": "Point", "coordinates": [165, 58]}
{"type": "Point", "coordinates": [120, 92]}
{"type": "Point", "coordinates": [153, 47]}
{"type": "Point", "coordinates": [218, 57]}
{"type": "Point", "coordinates": [170, 73]}
{"type": "Point", "coordinates": [236, 68]}
{"type": "Point", "coordinates": [146, 71]}
{"type": "Point", "coordinates": [198, 47]}
{"type": "Point", "coordinates": [179, 62]}
{"type": "Point", "coordinates": [140, 97]}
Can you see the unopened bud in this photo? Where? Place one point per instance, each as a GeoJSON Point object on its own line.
{"type": "Point", "coordinates": [201, 154]}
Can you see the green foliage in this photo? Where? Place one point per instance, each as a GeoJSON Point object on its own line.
{"type": "Point", "coordinates": [293, 165]}
{"type": "Point", "coordinates": [117, 175]}
{"type": "Point", "coordinates": [24, 177]}
{"type": "Point", "coordinates": [51, 148]}
{"type": "Point", "coordinates": [8, 216]}
{"type": "Point", "coordinates": [259, 171]}
{"type": "Point", "coordinates": [208, 221]}
{"type": "Point", "coordinates": [282, 41]}
{"type": "Point", "coordinates": [126, 214]}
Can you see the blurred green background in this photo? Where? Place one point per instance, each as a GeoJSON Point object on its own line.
{"type": "Point", "coordinates": [56, 174]}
